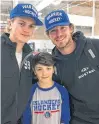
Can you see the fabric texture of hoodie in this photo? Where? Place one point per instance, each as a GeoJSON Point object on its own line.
{"type": "Point", "coordinates": [15, 83]}
{"type": "Point", "coordinates": [79, 76]}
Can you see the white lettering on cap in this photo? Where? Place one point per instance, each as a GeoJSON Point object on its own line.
{"type": "Point", "coordinates": [29, 7]}
{"type": "Point", "coordinates": [54, 14]}
{"type": "Point", "coordinates": [54, 20]}
{"type": "Point", "coordinates": [30, 12]}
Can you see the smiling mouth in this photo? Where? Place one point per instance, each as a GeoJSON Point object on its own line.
{"type": "Point", "coordinates": [60, 40]}
{"type": "Point", "coordinates": [25, 35]}
{"type": "Point", "coordinates": [44, 77]}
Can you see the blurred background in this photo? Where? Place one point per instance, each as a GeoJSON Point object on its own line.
{"type": "Point", "coordinates": [83, 14]}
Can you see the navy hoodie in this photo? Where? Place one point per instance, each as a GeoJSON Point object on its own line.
{"type": "Point", "coordinates": [79, 76]}
{"type": "Point", "coordinates": [15, 83]}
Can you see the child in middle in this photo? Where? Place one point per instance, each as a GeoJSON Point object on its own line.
{"type": "Point", "coordinates": [49, 101]}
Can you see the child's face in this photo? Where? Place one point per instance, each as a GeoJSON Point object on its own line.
{"type": "Point", "coordinates": [44, 73]}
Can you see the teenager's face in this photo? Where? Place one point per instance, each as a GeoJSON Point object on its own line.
{"type": "Point", "coordinates": [21, 29]}
{"type": "Point", "coordinates": [61, 36]}
{"type": "Point", "coordinates": [44, 73]}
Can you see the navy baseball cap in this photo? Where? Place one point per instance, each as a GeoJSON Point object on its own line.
{"type": "Point", "coordinates": [56, 18]}
{"type": "Point", "coordinates": [25, 10]}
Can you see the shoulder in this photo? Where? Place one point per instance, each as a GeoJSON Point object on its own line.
{"type": "Point", "coordinates": [5, 47]}
{"type": "Point", "coordinates": [27, 48]}
{"type": "Point", "coordinates": [94, 42]}
{"type": "Point", "coordinates": [4, 38]}
{"type": "Point", "coordinates": [33, 89]}
{"type": "Point", "coordinates": [61, 88]}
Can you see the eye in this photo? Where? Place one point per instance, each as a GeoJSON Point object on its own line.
{"type": "Point", "coordinates": [52, 31]}
{"type": "Point", "coordinates": [48, 68]}
{"type": "Point", "coordinates": [39, 69]}
{"type": "Point", "coordinates": [63, 28]}
{"type": "Point", "coordinates": [22, 24]}
{"type": "Point", "coordinates": [32, 26]}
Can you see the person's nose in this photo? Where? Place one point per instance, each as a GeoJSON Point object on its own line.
{"type": "Point", "coordinates": [26, 28]}
{"type": "Point", "coordinates": [44, 72]}
{"type": "Point", "coordinates": [58, 33]}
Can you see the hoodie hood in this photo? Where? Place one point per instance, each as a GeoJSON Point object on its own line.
{"type": "Point", "coordinates": [5, 39]}
{"type": "Point", "coordinates": [80, 40]}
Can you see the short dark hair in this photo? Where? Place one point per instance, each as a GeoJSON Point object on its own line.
{"type": "Point", "coordinates": [43, 58]}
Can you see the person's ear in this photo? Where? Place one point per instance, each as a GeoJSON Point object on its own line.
{"type": "Point", "coordinates": [47, 33]}
{"type": "Point", "coordinates": [9, 21]}
{"type": "Point", "coordinates": [34, 71]}
{"type": "Point", "coordinates": [55, 70]}
{"type": "Point", "coordinates": [9, 27]}
{"type": "Point", "coordinates": [71, 26]}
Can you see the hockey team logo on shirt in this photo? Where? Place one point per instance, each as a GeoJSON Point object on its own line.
{"type": "Point", "coordinates": [46, 107]}
{"type": "Point", "coordinates": [47, 114]}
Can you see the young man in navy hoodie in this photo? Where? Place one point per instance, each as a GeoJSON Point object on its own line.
{"type": "Point", "coordinates": [76, 70]}
{"type": "Point", "coordinates": [16, 78]}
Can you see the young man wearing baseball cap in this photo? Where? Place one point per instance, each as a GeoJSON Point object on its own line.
{"type": "Point", "coordinates": [73, 52]}
{"type": "Point", "coordinates": [16, 80]}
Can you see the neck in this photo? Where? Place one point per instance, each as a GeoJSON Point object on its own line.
{"type": "Point", "coordinates": [19, 45]}
{"type": "Point", "coordinates": [68, 49]}
{"type": "Point", "coordinates": [45, 84]}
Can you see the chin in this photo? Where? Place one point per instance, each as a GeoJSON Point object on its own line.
{"type": "Point", "coordinates": [60, 46]}
{"type": "Point", "coordinates": [24, 40]}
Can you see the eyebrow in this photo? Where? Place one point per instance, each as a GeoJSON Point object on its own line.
{"type": "Point", "coordinates": [21, 20]}
{"type": "Point", "coordinates": [25, 22]}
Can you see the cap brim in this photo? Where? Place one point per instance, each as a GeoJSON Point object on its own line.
{"type": "Point", "coordinates": [37, 21]}
{"type": "Point", "coordinates": [58, 24]}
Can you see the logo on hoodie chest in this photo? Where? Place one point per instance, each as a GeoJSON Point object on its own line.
{"type": "Point", "coordinates": [27, 64]}
{"type": "Point", "coordinates": [85, 72]}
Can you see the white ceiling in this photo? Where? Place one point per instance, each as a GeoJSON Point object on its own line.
{"type": "Point", "coordinates": [43, 6]}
